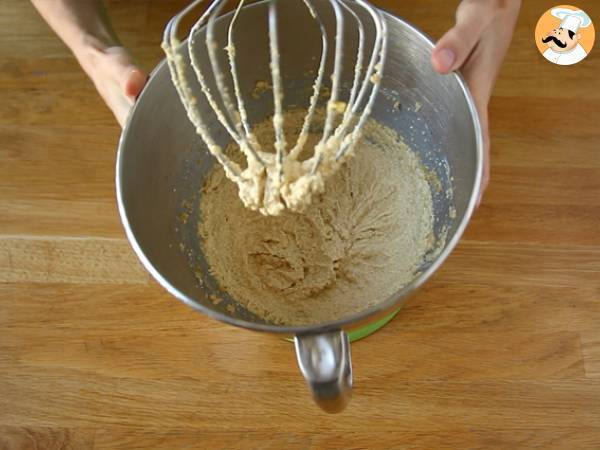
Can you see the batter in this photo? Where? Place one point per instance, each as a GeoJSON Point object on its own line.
{"type": "Point", "coordinates": [360, 241]}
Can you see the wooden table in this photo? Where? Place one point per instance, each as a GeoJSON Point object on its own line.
{"type": "Point", "coordinates": [501, 349]}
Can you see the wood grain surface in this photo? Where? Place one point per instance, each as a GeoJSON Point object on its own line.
{"type": "Point", "coordinates": [500, 350]}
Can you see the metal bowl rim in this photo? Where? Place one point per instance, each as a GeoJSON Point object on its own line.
{"type": "Point", "coordinates": [391, 301]}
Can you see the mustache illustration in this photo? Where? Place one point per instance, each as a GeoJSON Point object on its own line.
{"type": "Point", "coordinates": [556, 41]}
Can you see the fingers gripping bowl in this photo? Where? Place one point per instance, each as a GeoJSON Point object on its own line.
{"type": "Point", "coordinates": [162, 166]}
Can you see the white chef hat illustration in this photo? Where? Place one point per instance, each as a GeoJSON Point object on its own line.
{"type": "Point", "coordinates": [571, 19]}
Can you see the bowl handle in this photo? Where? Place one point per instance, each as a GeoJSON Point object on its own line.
{"type": "Point", "coordinates": [324, 360]}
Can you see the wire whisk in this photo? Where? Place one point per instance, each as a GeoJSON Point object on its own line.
{"type": "Point", "coordinates": [274, 181]}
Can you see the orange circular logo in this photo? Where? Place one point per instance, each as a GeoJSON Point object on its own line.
{"type": "Point", "coordinates": [565, 35]}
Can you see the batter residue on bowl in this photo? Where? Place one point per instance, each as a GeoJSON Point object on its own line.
{"type": "Point", "coordinates": [358, 243]}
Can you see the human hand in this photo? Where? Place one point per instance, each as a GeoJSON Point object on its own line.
{"type": "Point", "coordinates": [85, 28]}
{"type": "Point", "coordinates": [116, 78]}
{"type": "Point", "coordinates": [477, 44]}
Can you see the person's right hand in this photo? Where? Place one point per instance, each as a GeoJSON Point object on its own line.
{"type": "Point", "coordinates": [117, 79]}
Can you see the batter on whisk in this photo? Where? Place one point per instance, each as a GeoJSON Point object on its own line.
{"type": "Point", "coordinates": [359, 242]}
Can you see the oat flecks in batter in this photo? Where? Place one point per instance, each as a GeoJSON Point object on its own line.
{"type": "Point", "coordinates": [361, 241]}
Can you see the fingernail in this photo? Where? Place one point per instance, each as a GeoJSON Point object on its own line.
{"type": "Point", "coordinates": [446, 59]}
{"type": "Point", "coordinates": [134, 82]}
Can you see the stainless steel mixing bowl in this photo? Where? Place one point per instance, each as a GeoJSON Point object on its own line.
{"type": "Point", "coordinates": [161, 165]}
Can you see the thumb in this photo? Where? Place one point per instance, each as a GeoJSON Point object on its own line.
{"type": "Point", "coordinates": [129, 77]}
{"type": "Point", "coordinates": [453, 49]}
{"type": "Point", "coordinates": [134, 81]}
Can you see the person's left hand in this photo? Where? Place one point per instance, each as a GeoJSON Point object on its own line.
{"type": "Point", "coordinates": [117, 79]}
{"type": "Point", "coordinates": [477, 44]}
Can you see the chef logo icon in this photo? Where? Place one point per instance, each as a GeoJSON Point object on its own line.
{"type": "Point", "coordinates": [565, 35]}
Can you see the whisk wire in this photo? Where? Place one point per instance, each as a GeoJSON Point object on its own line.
{"type": "Point", "coordinates": [317, 84]}
{"type": "Point", "coordinates": [236, 84]}
{"type": "Point", "coordinates": [280, 143]}
{"type": "Point", "coordinates": [379, 52]}
{"type": "Point", "coordinates": [173, 48]}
